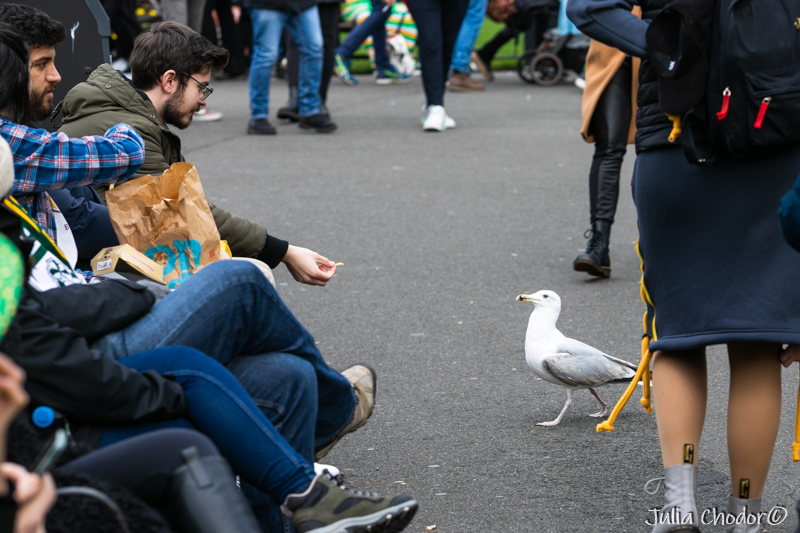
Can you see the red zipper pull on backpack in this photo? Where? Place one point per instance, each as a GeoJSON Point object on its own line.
{"type": "Point", "coordinates": [726, 100]}
{"type": "Point", "coordinates": [762, 111]}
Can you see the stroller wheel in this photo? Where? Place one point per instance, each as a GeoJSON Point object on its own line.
{"type": "Point", "coordinates": [543, 69]}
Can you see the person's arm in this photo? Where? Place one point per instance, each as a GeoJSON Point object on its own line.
{"type": "Point", "coordinates": [46, 161]}
{"type": "Point", "coordinates": [88, 220]}
{"type": "Point", "coordinates": [98, 309]}
{"type": "Point", "coordinates": [65, 374]}
{"type": "Point", "coordinates": [611, 23]}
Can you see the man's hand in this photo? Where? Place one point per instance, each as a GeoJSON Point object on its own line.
{"type": "Point", "coordinates": [308, 267]}
{"type": "Point", "coordinates": [34, 496]}
{"type": "Point", "coordinates": [389, 2]}
{"type": "Point", "coordinates": [790, 355]}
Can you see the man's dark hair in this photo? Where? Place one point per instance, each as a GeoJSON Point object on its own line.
{"type": "Point", "coordinates": [36, 27]}
{"type": "Point", "coordinates": [15, 97]}
{"type": "Point", "coordinates": [172, 46]}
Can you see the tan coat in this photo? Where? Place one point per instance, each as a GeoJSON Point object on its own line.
{"type": "Point", "coordinates": [602, 62]}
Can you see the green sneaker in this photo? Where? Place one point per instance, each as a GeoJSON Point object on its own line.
{"type": "Point", "coordinates": [327, 506]}
{"type": "Point", "coordinates": [342, 69]}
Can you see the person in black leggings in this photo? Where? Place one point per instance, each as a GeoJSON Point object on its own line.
{"type": "Point", "coordinates": [438, 23]}
{"type": "Point", "coordinates": [161, 469]}
{"type": "Point", "coordinates": [329, 20]}
{"type": "Point", "coordinates": [610, 124]}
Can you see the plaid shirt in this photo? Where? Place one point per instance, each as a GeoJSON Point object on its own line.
{"type": "Point", "coordinates": [46, 161]}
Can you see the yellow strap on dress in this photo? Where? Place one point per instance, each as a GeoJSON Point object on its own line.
{"type": "Point", "coordinates": [643, 375]}
{"type": "Point", "coordinates": [796, 444]}
{"type": "Point", "coordinates": [676, 127]}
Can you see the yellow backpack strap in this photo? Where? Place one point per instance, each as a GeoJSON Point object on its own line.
{"type": "Point", "coordinates": [796, 444]}
{"type": "Point", "coordinates": [643, 375]}
{"type": "Point", "coordinates": [676, 127]}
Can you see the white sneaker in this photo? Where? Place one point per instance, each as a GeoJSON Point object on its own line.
{"type": "Point", "coordinates": [449, 123]}
{"type": "Point", "coordinates": [436, 119]}
{"type": "Point", "coordinates": [205, 115]}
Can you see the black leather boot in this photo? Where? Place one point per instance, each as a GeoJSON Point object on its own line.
{"type": "Point", "coordinates": [292, 108]}
{"type": "Point", "coordinates": [595, 261]}
{"type": "Point", "coordinates": [203, 498]}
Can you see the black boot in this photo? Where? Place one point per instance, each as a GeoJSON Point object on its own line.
{"type": "Point", "coordinates": [323, 110]}
{"type": "Point", "coordinates": [203, 498]}
{"type": "Point", "coordinates": [595, 261]}
{"type": "Point", "coordinates": [292, 108]}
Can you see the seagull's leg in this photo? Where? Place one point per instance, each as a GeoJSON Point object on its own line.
{"type": "Point", "coordinates": [564, 410]}
{"type": "Point", "coordinates": [604, 411]}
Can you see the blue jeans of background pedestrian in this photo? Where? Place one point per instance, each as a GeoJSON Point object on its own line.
{"type": "Point", "coordinates": [473, 21]}
{"type": "Point", "coordinates": [307, 32]}
{"type": "Point", "coordinates": [374, 25]}
{"type": "Point", "coordinates": [218, 406]}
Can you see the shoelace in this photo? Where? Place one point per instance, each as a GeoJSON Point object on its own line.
{"type": "Point", "coordinates": [338, 481]}
{"type": "Point", "coordinates": [660, 481]}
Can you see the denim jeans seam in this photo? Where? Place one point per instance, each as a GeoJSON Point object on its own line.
{"type": "Point", "coordinates": [242, 406]}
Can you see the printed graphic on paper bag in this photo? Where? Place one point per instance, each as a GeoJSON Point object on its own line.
{"type": "Point", "coordinates": [102, 265]}
{"type": "Point", "coordinates": [186, 253]}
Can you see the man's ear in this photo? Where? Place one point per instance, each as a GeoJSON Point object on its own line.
{"type": "Point", "coordinates": [170, 82]}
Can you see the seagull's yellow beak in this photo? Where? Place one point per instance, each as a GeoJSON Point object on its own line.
{"type": "Point", "coordinates": [526, 298]}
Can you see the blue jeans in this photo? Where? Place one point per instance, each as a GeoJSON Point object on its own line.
{"type": "Point", "coordinates": [470, 28]}
{"type": "Point", "coordinates": [229, 311]}
{"type": "Point", "coordinates": [218, 406]}
{"type": "Point", "coordinates": [307, 32]}
{"type": "Point", "coordinates": [374, 25]}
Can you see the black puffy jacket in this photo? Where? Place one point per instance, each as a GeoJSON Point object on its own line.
{"type": "Point", "coordinates": [50, 336]}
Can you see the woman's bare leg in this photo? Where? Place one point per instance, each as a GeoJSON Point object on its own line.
{"type": "Point", "coordinates": [680, 390]}
{"type": "Point", "coordinates": [754, 409]}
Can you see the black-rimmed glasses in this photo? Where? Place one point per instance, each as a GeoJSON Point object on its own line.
{"type": "Point", "coordinates": [206, 89]}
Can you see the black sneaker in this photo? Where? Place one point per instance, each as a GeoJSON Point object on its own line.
{"type": "Point", "coordinates": [327, 506]}
{"type": "Point", "coordinates": [317, 122]}
{"type": "Point", "coordinates": [261, 126]}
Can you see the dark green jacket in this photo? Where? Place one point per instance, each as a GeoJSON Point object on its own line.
{"type": "Point", "coordinates": [106, 99]}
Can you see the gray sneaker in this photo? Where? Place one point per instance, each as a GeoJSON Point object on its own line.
{"type": "Point", "coordinates": [327, 506]}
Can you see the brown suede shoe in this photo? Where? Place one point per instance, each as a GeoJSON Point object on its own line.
{"type": "Point", "coordinates": [483, 67]}
{"type": "Point", "coordinates": [462, 83]}
{"type": "Point", "coordinates": [364, 381]}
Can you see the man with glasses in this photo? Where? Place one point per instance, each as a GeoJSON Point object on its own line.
{"type": "Point", "coordinates": [171, 67]}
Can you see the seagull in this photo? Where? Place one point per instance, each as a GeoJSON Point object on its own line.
{"type": "Point", "coordinates": [564, 361]}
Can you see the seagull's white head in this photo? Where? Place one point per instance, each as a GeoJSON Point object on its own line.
{"type": "Point", "coordinates": [542, 299]}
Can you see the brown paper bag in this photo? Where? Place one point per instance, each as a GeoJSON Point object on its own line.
{"type": "Point", "coordinates": [167, 219]}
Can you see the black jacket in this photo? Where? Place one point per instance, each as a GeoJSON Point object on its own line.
{"type": "Point", "coordinates": [50, 339]}
{"type": "Point", "coordinates": [611, 22]}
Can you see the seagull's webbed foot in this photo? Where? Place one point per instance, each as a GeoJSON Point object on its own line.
{"type": "Point", "coordinates": [557, 421]}
{"type": "Point", "coordinates": [604, 411]}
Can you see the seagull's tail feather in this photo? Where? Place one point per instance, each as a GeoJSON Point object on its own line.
{"type": "Point", "coordinates": [623, 362]}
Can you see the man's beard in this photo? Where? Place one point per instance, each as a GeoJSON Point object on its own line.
{"type": "Point", "coordinates": [41, 107]}
{"type": "Point", "coordinates": [174, 115]}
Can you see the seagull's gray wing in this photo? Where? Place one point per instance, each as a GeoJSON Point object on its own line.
{"type": "Point", "coordinates": [586, 370]}
{"type": "Point", "coordinates": [568, 345]}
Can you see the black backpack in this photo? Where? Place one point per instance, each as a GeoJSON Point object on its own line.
{"type": "Point", "coordinates": [752, 103]}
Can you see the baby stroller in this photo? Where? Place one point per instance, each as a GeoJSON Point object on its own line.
{"type": "Point", "coordinates": [545, 66]}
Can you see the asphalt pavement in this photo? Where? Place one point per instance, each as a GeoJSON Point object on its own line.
{"type": "Point", "coordinates": [438, 233]}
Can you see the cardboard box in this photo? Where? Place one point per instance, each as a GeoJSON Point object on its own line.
{"type": "Point", "coordinates": [125, 258]}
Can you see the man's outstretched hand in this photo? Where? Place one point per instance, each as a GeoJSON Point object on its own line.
{"type": "Point", "coordinates": [308, 266]}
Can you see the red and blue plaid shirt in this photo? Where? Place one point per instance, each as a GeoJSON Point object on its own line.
{"type": "Point", "coordinates": [46, 161]}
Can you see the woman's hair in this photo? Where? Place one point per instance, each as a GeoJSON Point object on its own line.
{"type": "Point", "coordinates": [15, 96]}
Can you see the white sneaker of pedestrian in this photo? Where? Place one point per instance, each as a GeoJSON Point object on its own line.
{"type": "Point", "coordinates": [206, 115]}
{"type": "Point", "coordinates": [435, 121]}
{"type": "Point", "coordinates": [449, 123]}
